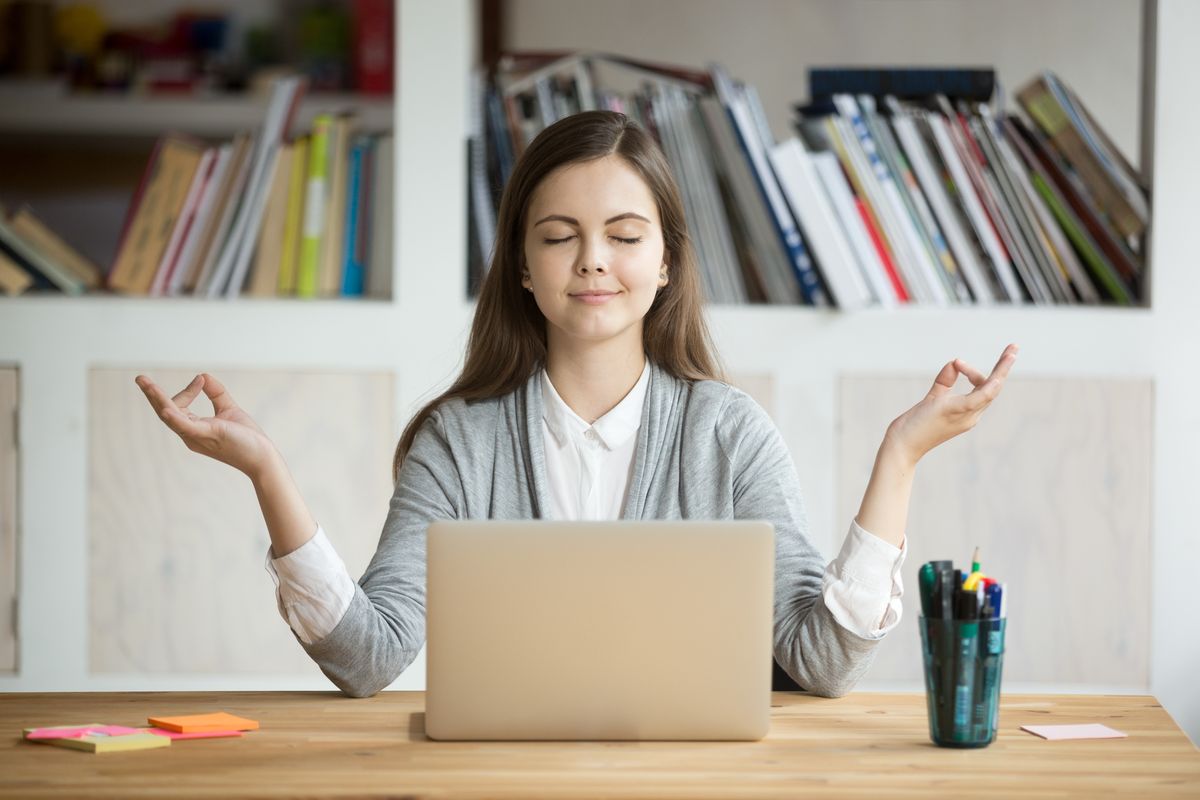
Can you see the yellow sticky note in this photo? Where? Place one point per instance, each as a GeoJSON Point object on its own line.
{"type": "Point", "coordinates": [219, 721]}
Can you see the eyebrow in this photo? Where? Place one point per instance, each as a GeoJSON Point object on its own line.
{"type": "Point", "coordinates": [573, 221]}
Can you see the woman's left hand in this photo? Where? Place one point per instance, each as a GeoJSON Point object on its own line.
{"type": "Point", "coordinates": [942, 415]}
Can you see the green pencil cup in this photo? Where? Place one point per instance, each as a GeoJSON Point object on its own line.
{"type": "Point", "coordinates": [963, 660]}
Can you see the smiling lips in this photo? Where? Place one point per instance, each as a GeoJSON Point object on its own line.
{"type": "Point", "coordinates": [594, 296]}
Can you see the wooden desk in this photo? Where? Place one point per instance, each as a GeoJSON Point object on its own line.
{"type": "Point", "coordinates": [320, 744]}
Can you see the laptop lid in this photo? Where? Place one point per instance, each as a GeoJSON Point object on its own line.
{"type": "Point", "coordinates": [599, 630]}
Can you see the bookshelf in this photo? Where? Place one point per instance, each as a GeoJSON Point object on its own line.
{"type": "Point", "coordinates": [419, 336]}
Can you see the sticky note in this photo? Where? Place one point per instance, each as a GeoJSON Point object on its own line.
{"type": "Point", "coordinates": [192, 735]}
{"type": "Point", "coordinates": [220, 721]}
{"type": "Point", "coordinates": [100, 743]}
{"type": "Point", "coordinates": [1092, 731]}
{"type": "Point", "coordinates": [61, 731]}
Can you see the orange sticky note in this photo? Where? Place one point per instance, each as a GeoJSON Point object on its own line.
{"type": "Point", "coordinates": [220, 721]}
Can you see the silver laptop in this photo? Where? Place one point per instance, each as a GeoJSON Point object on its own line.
{"type": "Point", "coordinates": [599, 630]}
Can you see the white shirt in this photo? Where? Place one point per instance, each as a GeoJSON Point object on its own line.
{"type": "Point", "coordinates": [589, 467]}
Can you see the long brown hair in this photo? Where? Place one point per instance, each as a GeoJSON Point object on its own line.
{"type": "Point", "coordinates": [507, 343]}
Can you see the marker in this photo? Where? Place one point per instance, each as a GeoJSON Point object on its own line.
{"type": "Point", "coordinates": [928, 581]}
{"type": "Point", "coordinates": [964, 684]}
{"type": "Point", "coordinates": [993, 630]}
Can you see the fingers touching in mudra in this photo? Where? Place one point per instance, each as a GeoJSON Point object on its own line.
{"type": "Point", "coordinates": [229, 436]}
{"type": "Point", "coordinates": [943, 413]}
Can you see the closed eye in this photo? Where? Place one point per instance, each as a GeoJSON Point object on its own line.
{"type": "Point", "coordinates": [618, 238]}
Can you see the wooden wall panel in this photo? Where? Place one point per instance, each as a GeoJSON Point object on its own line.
{"type": "Point", "coordinates": [1054, 484]}
{"type": "Point", "coordinates": [177, 541]}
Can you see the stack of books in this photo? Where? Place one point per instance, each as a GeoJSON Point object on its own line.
{"type": "Point", "coordinates": [899, 186]}
{"type": "Point", "coordinates": [268, 214]}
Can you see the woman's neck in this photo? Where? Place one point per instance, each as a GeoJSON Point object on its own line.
{"type": "Point", "coordinates": [593, 380]}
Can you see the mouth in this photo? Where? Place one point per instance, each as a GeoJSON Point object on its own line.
{"type": "Point", "coordinates": [594, 298]}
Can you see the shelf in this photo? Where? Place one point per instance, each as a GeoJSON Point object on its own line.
{"type": "Point", "coordinates": [151, 116]}
{"type": "Point", "coordinates": [276, 332]}
{"type": "Point", "coordinates": [1061, 340]}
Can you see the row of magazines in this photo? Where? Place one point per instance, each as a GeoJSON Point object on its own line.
{"type": "Point", "coordinates": [897, 186]}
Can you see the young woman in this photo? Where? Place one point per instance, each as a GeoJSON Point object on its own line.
{"type": "Point", "coordinates": [590, 390]}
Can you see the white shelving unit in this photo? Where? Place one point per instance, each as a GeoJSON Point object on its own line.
{"type": "Point", "coordinates": [149, 116]}
{"type": "Point", "coordinates": [420, 335]}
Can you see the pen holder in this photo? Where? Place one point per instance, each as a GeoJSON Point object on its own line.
{"type": "Point", "coordinates": [963, 661]}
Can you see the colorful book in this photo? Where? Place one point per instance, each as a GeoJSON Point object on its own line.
{"type": "Point", "coordinates": [315, 201]}
{"type": "Point", "coordinates": [230, 273]}
{"type": "Point", "coordinates": [812, 209]}
{"type": "Point", "coordinates": [33, 260]}
{"type": "Point", "coordinates": [353, 260]}
{"type": "Point", "coordinates": [752, 143]}
{"type": "Point", "coordinates": [329, 274]}
{"type": "Point", "coordinates": [220, 222]}
{"type": "Point", "coordinates": [153, 212]}
{"type": "Point", "coordinates": [1051, 111]}
{"type": "Point", "coordinates": [183, 224]}
{"type": "Point", "coordinates": [184, 275]}
{"type": "Point", "coordinates": [42, 238]}
{"type": "Point", "coordinates": [289, 259]}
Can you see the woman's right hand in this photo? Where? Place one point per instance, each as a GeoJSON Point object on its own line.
{"type": "Point", "coordinates": [230, 436]}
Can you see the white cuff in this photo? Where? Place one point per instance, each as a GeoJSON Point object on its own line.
{"type": "Point", "coordinates": [312, 587]}
{"type": "Point", "coordinates": [862, 586]}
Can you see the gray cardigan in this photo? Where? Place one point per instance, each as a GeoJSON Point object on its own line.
{"type": "Point", "coordinates": [705, 450]}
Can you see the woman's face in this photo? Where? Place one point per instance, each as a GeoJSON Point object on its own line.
{"type": "Point", "coordinates": [594, 228]}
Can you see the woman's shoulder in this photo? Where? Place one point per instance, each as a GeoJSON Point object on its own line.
{"type": "Point", "coordinates": [737, 418]}
{"type": "Point", "coordinates": [725, 400]}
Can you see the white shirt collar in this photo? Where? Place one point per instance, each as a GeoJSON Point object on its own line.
{"type": "Point", "coordinates": [614, 428]}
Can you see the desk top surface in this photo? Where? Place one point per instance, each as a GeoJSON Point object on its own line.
{"type": "Point", "coordinates": [321, 744]}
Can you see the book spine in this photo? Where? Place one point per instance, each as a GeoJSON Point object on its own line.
{"type": "Point", "coordinates": [833, 180]}
{"type": "Point", "coordinates": [289, 258]}
{"type": "Point", "coordinates": [1052, 118]}
{"type": "Point", "coordinates": [54, 272]}
{"type": "Point", "coordinates": [315, 201]}
{"type": "Point", "coordinates": [785, 225]}
{"type": "Point", "coordinates": [352, 267]}
{"type": "Point", "coordinates": [183, 224]}
{"type": "Point", "coordinates": [801, 187]}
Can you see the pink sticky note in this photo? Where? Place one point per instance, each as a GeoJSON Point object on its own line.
{"type": "Point", "coordinates": [1092, 731]}
{"type": "Point", "coordinates": [76, 733]}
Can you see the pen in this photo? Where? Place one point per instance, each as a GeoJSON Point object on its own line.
{"type": "Point", "coordinates": [993, 626]}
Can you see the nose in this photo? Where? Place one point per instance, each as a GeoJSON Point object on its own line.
{"type": "Point", "coordinates": [592, 259]}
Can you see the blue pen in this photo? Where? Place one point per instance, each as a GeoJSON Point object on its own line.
{"type": "Point", "coordinates": [993, 630]}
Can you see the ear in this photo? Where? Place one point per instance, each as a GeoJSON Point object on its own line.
{"type": "Point", "coordinates": [526, 281]}
{"type": "Point", "coordinates": [664, 273]}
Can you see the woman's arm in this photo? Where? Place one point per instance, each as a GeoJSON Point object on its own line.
{"type": "Point", "coordinates": [289, 522]}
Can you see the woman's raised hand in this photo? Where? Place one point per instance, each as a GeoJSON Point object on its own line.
{"type": "Point", "coordinates": [230, 436]}
{"type": "Point", "coordinates": [942, 414]}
